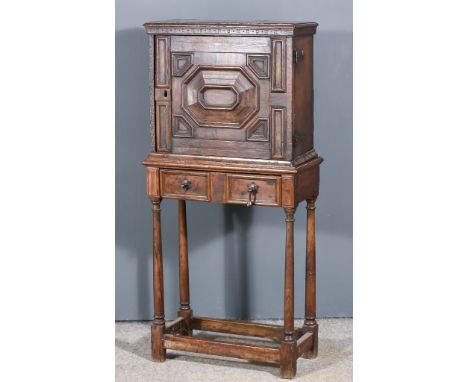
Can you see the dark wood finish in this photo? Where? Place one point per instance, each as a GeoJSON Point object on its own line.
{"type": "Point", "coordinates": [259, 166]}
{"type": "Point", "coordinates": [288, 357]}
{"type": "Point", "coordinates": [310, 303]}
{"type": "Point", "coordinates": [231, 121]}
{"type": "Point", "coordinates": [268, 194]}
{"type": "Point", "coordinates": [229, 28]}
{"type": "Point", "coordinates": [158, 325]}
{"type": "Point", "coordinates": [243, 328]}
{"type": "Point", "coordinates": [278, 75]}
{"type": "Point", "coordinates": [228, 349]}
{"type": "Point", "coordinates": [288, 344]}
{"type": "Point", "coordinates": [303, 105]}
{"type": "Point", "coordinates": [163, 105]}
{"type": "Point", "coordinates": [172, 185]}
{"type": "Point", "coordinates": [289, 276]}
{"type": "Point", "coordinates": [176, 326]}
{"type": "Point", "coordinates": [310, 324]}
{"type": "Point", "coordinates": [304, 343]}
{"type": "Point", "coordinates": [245, 95]}
{"type": "Point", "coordinates": [184, 311]}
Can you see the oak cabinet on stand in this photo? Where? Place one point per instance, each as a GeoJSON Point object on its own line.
{"type": "Point", "coordinates": [231, 122]}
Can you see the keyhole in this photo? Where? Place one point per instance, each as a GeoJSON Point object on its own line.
{"type": "Point", "coordinates": [165, 93]}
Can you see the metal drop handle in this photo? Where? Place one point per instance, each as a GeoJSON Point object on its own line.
{"type": "Point", "coordinates": [253, 189]}
{"type": "Point", "coordinates": [185, 184]}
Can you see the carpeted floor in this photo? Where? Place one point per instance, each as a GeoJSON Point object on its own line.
{"type": "Point", "coordinates": [133, 359]}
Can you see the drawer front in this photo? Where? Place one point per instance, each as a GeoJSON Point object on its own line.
{"type": "Point", "coordinates": [268, 192]}
{"type": "Point", "coordinates": [185, 185]}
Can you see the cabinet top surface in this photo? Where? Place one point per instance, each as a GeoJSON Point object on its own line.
{"type": "Point", "coordinates": [228, 27]}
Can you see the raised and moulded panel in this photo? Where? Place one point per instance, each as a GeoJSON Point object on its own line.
{"type": "Point", "coordinates": [163, 72]}
{"type": "Point", "coordinates": [218, 97]}
{"type": "Point", "coordinates": [151, 93]}
{"type": "Point", "coordinates": [163, 125]}
{"type": "Point", "coordinates": [260, 64]}
{"type": "Point", "coordinates": [181, 63]}
{"type": "Point", "coordinates": [215, 96]}
{"type": "Point", "coordinates": [259, 131]}
{"type": "Point", "coordinates": [162, 92]}
{"type": "Point", "coordinates": [278, 132]}
{"type": "Point", "coordinates": [278, 67]}
{"type": "Point", "coordinates": [229, 96]}
{"type": "Point", "coordinates": [181, 127]}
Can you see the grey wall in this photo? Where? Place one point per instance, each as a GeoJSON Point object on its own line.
{"type": "Point", "coordinates": [236, 254]}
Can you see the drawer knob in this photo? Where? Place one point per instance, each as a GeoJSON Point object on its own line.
{"type": "Point", "coordinates": [185, 184]}
{"type": "Point", "coordinates": [252, 188]}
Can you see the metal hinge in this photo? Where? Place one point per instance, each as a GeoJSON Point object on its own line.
{"type": "Point", "coordinates": [298, 55]}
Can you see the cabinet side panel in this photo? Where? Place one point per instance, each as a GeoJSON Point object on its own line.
{"type": "Point", "coordinates": [303, 123]}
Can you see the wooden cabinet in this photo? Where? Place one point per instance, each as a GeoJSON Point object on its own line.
{"type": "Point", "coordinates": [226, 94]}
{"type": "Point", "coordinates": [231, 121]}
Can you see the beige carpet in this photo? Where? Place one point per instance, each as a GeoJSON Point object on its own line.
{"type": "Point", "coordinates": [133, 359]}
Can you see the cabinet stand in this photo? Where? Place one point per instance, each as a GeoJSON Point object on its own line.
{"type": "Point", "coordinates": [177, 334]}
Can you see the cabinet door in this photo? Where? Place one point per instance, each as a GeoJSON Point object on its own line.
{"type": "Point", "coordinates": [221, 90]}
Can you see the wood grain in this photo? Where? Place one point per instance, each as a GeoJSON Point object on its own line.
{"type": "Point", "coordinates": [303, 122]}
{"type": "Point", "coordinates": [268, 194]}
{"type": "Point", "coordinates": [289, 276]}
{"type": "Point", "coordinates": [221, 348]}
{"type": "Point", "coordinates": [244, 328]}
{"type": "Point", "coordinates": [171, 185]}
{"type": "Point", "coordinates": [278, 67]}
{"type": "Point", "coordinates": [162, 61]}
{"type": "Point", "coordinates": [158, 325]}
{"type": "Point", "coordinates": [183, 258]}
{"type": "Point", "coordinates": [232, 121]}
{"type": "Point", "coordinates": [305, 343]}
{"type": "Point", "coordinates": [229, 28]}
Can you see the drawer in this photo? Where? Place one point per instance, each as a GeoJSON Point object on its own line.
{"type": "Point", "coordinates": [188, 185]}
{"type": "Point", "coordinates": [268, 189]}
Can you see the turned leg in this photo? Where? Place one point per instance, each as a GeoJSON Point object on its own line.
{"type": "Point", "coordinates": [184, 310]}
{"type": "Point", "coordinates": [157, 327]}
{"type": "Point", "coordinates": [288, 349]}
{"type": "Point", "coordinates": [310, 324]}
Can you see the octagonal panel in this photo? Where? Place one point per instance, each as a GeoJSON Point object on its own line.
{"type": "Point", "coordinates": [220, 96]}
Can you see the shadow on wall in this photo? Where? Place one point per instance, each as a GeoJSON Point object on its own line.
{"type": "Point", "coordinates": [252, 239]}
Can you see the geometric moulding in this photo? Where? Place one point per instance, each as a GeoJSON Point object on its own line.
{"type": "Point", "coordinates": [181, 63]}
{"type": "Point", "coordinates": [180, 127]}
{"type": "Point", "coordinates": [278, 65]}
{"type": "Point", "coordinates": [220, 97]}
{"type": "Point", "coordinates": [259, 131]}
{"type": "Point", "coordinates": [260, 64]}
